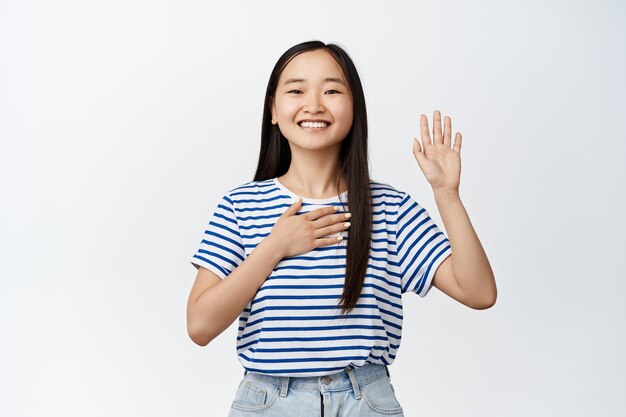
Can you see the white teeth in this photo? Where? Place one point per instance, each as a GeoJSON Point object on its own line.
{"type": "Point", "coordinates": [314, 124]}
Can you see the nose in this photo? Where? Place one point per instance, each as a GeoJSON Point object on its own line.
{"type": "Point", "coordinates": [313, 104]}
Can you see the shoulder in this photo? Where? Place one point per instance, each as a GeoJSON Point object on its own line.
{"type": "Point", "coordinates": [383, 191]}
{"type": "Point", "coordinates": [255, 193]}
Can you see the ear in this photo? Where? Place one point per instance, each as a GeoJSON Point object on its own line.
{"type": "Point", "coordinates": [273, 109]}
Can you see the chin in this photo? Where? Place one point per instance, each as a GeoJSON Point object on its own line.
{"type": "Point", "coordinates": [313, 141]}
{"type": "Point", "coordinates": [313, 144]}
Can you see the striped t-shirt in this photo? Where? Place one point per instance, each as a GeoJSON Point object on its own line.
{"type": "Point", "coordinates": [293, 326]}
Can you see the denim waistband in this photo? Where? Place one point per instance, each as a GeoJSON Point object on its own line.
{"type": "Point", "coordinates": [335, 382]}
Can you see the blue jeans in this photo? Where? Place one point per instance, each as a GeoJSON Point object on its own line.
{"type": "Point", "coordinates": [360, 392]}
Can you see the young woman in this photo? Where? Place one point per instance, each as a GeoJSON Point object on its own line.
{"type": "Point", "coordinates": [313, 256]}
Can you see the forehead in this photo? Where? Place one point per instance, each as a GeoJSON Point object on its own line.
{"type": "Point", "coordinates": [312, 66]}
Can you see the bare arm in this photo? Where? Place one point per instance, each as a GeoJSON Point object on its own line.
{"type": "Point", "coordinates": [467, 275]}
{"type": "Point", "coordinates": [215, 303]}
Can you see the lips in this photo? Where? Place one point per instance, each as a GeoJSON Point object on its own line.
{"type": "Point", "coordinates": [313, 126]}
{"type": "Point", "coordinates": [313, 129]}
{"type": "Point", "coordinates": [314, 120]}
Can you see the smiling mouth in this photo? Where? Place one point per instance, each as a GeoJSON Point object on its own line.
{"type": "Point", "coordinates": [313, 126]}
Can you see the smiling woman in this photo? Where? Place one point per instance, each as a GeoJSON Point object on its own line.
{"type": "Point", "coordinates": [317, 284]}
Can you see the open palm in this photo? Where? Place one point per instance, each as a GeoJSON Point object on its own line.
{"type": "Point", "coordinates": [438, 160]}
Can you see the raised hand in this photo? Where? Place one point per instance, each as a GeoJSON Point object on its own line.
{"type": "Point", "coordinates": [438, 160]}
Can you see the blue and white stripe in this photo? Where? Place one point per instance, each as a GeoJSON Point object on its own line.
{"type": "Point", "coordinates": [293, 325]}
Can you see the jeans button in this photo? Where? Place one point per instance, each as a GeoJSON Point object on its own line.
{"type": "Point", "coordinates": [326, 380]}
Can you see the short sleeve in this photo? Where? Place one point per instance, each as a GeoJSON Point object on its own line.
{"type": "Point", "coordinates": [221, 249]}
{"type": "Point", "coordinates": [420, 246]}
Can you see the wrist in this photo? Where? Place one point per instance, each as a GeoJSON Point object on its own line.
{"type": "Point", "coordinates": [270, 249]}
{"type": "Point", "coordinates": [446, 195]}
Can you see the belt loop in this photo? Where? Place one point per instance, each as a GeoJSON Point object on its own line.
{"type": "Point", "coordinates": [284, 386]}
{"type": "Point", "coordinates": [245, 372]}
{"type": "Point", "coordinates": [355, 383]}
{"type": "Point", "coordinates": [387, 370]}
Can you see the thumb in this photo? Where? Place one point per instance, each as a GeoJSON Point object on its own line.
{"type": "Point", "coordinates": [418, 152]}
{"type": "Point", "coordinates": [293, 208]}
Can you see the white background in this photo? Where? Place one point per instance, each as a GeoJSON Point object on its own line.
{"type": "Point", "coordinates": [122, 122]}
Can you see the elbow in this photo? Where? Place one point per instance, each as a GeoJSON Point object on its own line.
{"type": "Point", "coordinates": [200, 336]}
{"type": "Point", "coordinates": [199, 339]}
{"type": "Point", "coordinates": [487, 302]}
{"type": "Point", "coordinates": [484, 305]}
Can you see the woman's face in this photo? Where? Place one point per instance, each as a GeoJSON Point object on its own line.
{"type": "Point", "coordinates": [312, 87]}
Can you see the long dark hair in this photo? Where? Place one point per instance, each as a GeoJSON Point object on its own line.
{"type": "Point", "coordinates": [275, 158]}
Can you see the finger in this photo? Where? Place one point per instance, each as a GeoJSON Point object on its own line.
{"type": "Point", "coordinates": [447, 131]}
{"type": "Point", "coordinates": [416, 145]}
{"type": "Point", "coordinates": [329, 220]}
{"type": "Point", "coordinates": [329, 230]}
{"type": "Point", "coordinates": [320, 212]}
{"type": "Point", "coordinates": [424, 131]}
{"type": "Point", "coordinates": [328, 241]}
{"type": "Point", "coordinates": [417, 151]}
{"type": "Point", "coordinates": [437, 137]}
{"type": "Point", "coordinates": [341, 217]}
{"type": "Point", "coordinates": [417, 148]}
{"type": "Point", "coordinates": [458, 142]}
{"type": "Point", "coordinates": [292, 209]}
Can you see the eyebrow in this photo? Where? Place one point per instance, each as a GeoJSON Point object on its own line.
{"type": "Point", "coordinates": [329, 79]}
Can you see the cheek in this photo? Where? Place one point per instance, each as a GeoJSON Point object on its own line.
{"type": "Point", "coordinates": [345, 114]}
{"type": "Point", "coordinates": [285, 110]}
